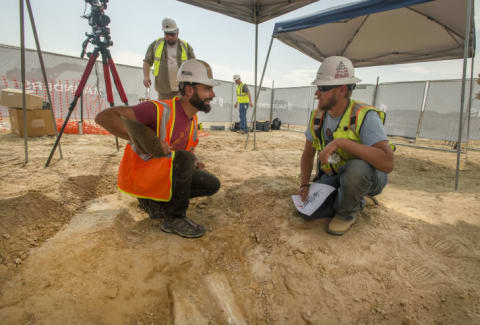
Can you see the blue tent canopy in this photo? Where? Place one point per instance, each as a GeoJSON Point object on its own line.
{"type": "Point", "coordinates": [380, 32]}
{"type": "Point", "coordinates": [344, 12]}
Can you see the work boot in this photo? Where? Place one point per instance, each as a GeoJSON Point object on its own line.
{"type": "Point", "coordinates": [183, 227]}
{"type": "Point", "coordinates": [144, 138]}
{"type": "Point", "coordinates": [340, 225]}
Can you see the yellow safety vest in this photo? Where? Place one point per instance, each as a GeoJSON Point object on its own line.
{"type": "Point", "coordinates": [159, 51]}
{"type": "Point", "coordinates": [242, 97]}
{"type": "Point", "coordinates": [348, 128]}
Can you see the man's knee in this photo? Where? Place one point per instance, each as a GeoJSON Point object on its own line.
{"type": "Point", "coordinates": [213, 185]}
{"type": "Point", "coordinates": [184, 159]}
{"type": "Point", "coordinates": [358, 175]}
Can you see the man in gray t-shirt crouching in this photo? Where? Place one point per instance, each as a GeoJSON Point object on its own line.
{"type": "Point", "coordinates": [354, 154]}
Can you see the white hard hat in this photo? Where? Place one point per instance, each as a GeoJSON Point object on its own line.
{"type": "Point", "coordinates": [334, 71]}
{"type": "Point", "coordinates": [197, 71]}
{"type": "Point", "coordinates": [169, 25]}
{"type": "Point", "coordinates": [236, 77]}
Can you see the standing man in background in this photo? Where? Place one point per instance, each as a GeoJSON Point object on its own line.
{"type": "Point", "coordinates": [243, 101]}
{"type": "Point", "coordinates": [166, 54]}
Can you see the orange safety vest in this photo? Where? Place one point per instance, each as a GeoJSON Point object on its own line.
{"type": "Point", "coordinates": [152, 179]}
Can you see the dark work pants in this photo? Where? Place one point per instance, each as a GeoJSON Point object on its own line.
{"type": "Point", "coordinates": [187, 182]}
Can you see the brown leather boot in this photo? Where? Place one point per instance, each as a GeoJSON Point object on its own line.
{"type": "Point", "coordinates": [340, 225]}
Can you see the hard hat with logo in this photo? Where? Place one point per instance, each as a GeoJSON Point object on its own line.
{"type": "Point", "coordinates": [236, 77]}
{"type": "Point", "coordinates": [335, 71]}
{"type": "Point", "coordinates": [169, 25]}
{"type": "Point", "coordinates": [196, 71]}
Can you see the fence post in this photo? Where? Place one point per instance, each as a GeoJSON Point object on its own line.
{"type": "Point", "coordinates": [422, 111]}
{"type": "Point", "coordinates": [271, 103]}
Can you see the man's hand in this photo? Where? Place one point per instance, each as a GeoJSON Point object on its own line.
{"type": "Point", "coordinates": [147, 82]}
{"type": "Point", "coordinates": [235, 105]}
{"type": "Point", "coordinates": [303, 192]}
{"type": "Point", "coordinates": [328, 151]}
{"type": "Point", "coordinates": [251, 105]}
{"type": "Point", "coordinates": [199, 165]}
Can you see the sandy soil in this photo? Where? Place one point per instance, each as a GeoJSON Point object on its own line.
{"type": "Point", "coordinates": [75, 251]}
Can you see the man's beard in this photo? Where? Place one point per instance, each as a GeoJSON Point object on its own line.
{"type": "Point", "coordinates": [171, 43]}
{"type": "Point", "coordinates": [200, 104]}
{"type": "Point", "coordinates": [328, 106]}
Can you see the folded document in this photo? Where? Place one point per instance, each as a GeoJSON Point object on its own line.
{"type": "Point", "coordinates": [317, 194]}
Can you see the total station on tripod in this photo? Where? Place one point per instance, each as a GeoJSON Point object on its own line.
{"type": "Point", "coordinates": [100, 35]}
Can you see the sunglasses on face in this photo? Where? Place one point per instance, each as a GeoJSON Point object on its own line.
{"type": "Point", "coordinates": [326, 88]}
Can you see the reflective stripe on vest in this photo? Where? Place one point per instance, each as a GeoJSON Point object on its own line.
{"type": "Point", "coordinates": [159, 51]}
{"type": "Point", "coordinates": [152, 179]}
{"type": "Point", "coordinates": [242, 97]}
{"type": "Point", "coordinates": [349, 128]}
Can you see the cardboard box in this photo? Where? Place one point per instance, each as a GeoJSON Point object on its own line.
{"type": "Point", "coordinates": [39, 122]}
{"type": "Point", "coordinates": [13, 98]}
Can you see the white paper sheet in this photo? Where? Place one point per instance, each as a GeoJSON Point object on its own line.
{"type": "Point", "coordinates": [317, 194]}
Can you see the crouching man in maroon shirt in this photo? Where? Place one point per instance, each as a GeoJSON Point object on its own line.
{"type": "Point", "coordinates": [165, 184]}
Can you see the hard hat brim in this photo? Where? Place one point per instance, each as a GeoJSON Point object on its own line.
{"type": "Point", "coordinates": [170, 30]}
{"type": "Point", "coordinates": [336, 82]}
{"type": "Point", "coordinates": [211, 83]}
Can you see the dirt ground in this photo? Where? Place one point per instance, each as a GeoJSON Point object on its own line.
{"type": "Point", "coordinates": [73, 250]}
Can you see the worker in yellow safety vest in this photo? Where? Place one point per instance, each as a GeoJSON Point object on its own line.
{"type": "Point", "coordinates": [244, 100]}
{"type": "Point", "coordinates": [354, 154]}
{"type": "Point", "coordinates": [166, 54]}
{"type": "Point", "coordinates": [164, 181]}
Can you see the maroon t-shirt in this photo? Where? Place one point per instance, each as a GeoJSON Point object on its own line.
{"type": "Point", "coordinates": [146, 113]}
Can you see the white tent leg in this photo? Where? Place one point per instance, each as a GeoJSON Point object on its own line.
{"type": "Point", "coordinates": [22, 60]}
{"type": "Point", "coordinates": [469, 110]}
{"type": "Point", "coordinates": [462, 94]}
{"type": "Point", "coordinates": [257, 92]}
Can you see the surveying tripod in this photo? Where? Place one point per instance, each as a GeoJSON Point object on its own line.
{"type": "Point", "coordinates": [101, 46]}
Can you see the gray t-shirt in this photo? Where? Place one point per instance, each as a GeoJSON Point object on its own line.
{"type": "Point", "coordinates": [372, 130]}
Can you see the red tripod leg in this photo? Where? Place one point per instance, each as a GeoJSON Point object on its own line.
{"type": "Point", "coordinates": [116, 79]}
{"type": "Point", "coordinates": [78, 93]}
{"type": "Point", "coordinates": [108, 83]}
{"type": "Point", "coordinates": [108, 87]}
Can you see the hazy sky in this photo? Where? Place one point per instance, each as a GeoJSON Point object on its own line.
{"type": "Point", "coordinates": [227, 44]}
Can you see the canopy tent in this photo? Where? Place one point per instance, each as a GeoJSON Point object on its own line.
{"type": "Point", "coordinates": [251, 11]}
{"type": "Point", "coordinates": [255, 12]}
{"type": "Point", "coordinates": [381, 32]}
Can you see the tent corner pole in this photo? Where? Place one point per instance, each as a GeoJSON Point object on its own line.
{"type": "Point", "coordinates": [462, 94]}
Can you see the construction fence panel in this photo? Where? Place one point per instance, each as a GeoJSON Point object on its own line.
{"type": "Point", "coordinates": [221, 104]}
{"type": "Point", "coordinates": [402, 103]}
{"type": "Point", "coordinates": [293, 105]}
{"type": "Point", "coordinates": [442, 111]}
{"type": "Point", "coordinates": [364, 93]}
{"type": "Point", "coordinates": [64, 74]}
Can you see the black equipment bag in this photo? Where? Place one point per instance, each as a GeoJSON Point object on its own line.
{"type": "Point", "coordinates": [263, 126]}
{"type": "Point", "coordinates": [276, 123]}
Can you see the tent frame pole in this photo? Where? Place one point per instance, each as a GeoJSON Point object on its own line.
{"type": "Point", "coordinates": [256, 97]}
{"type": "Point", "coordinates": [44, 74]}
{"type": "Point", "coordinates": [257, 92]}
{"type": "Point", "coordinates": [462, 94]}
{"type": "Point", "coordinates": [22, 62]}
{"type": "Point", "coordinates": [469, 110]}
